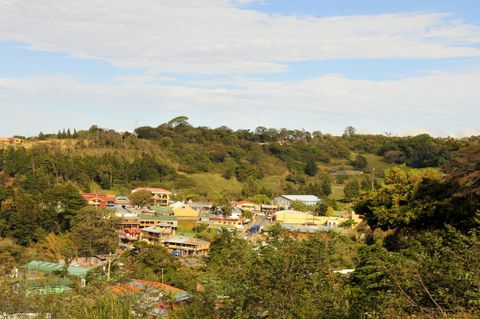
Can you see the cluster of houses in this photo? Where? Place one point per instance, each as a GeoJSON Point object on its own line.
{"type": "Point", "coordinates": [6, 141]}
{"type": "Point", "coordinates": [158, 223]}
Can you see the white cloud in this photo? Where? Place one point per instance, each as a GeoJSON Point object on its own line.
{"type": "Point", "coordinates": [440, 103]}
{"type": "Point", "coordinates": [219, 37]}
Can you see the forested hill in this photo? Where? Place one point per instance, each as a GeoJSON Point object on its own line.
{"type": "Point", "coordinates": [203, 162]}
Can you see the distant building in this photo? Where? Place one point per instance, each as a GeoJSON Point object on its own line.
{"type": "Point", "coordinates": [268, 209]}
{"type": "Point", "coordinates": [127, 237]}
{"type": "Point", "coordinates": [35, 268]}
{"type": "Point", "coordinates": [146, 220]}
{"type": "Point", "coordinates": [248, 205]}
{"type": "Point", "coordinates": [122, 200]}
{"type": "Point", "coordinates": [155, 235]}
{"type": "Point", "coordinates": [183, 211]}
{"type": "Point", "coordinates": [186, 246]}
{"type": "Point", "coordinates": [11, 140]}
{"type": "Point", "coordinates": [99, 200]}
{"type": "Point", "coordinates": [288, 200]}
{"type": "Point", "coordinates": [160, 196]}
{"type": "Point", "coordinates": [201, 207]}
{"type": "Point", "coordinates": [162, 296]}
{"type": "Point", "coordinates": [344, 172]}
{"type": "Point", "coordinates": [294, 217]}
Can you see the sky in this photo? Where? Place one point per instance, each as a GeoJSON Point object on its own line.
{"type": "Point", "coordinates": [403, 67]}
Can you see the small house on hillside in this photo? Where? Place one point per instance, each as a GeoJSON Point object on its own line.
{"type": "Point", "coordinates": [183, 211]}
{"type": "Point", "coordinates": [155, 235]}
{"type": "Point", "coordinates": [99, 200]}
{"type": "Point", "coordinates": [160, 196]}
{"type": "Point", "coordinates": [248, 205]}
{"type": "Point", "coordinates": [288, 200]}
{"type": "Point", "coordinates": [158, 297]}
{"type": "Point", "coordinates": [186, 246]}
{"type": "Point", "coordinates": [36, 268]}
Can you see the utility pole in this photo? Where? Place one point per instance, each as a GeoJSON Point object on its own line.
{"type": "Point", "coordinates": [109, 258]}
{"type": "Point", "coordinates": [373, 178]}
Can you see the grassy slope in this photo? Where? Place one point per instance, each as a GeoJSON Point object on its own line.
{"type": "Point", "coordinates": [213, 184]}
{"type": "Point", "coordinates": [377, 162]}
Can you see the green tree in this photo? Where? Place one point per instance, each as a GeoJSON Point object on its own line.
{"type": "Point", "coordinates": [311, 168]}
{"type": "Point", "coordinates": [407, 198]}
{"type": "Point", "coordinates": [351, 190]}
{"type": "Point", "coordinates": [360, 162]}
{"type": "Point", "coordinates": [93, 231]}
{"type": "Point", "coordinates": [140, 198]}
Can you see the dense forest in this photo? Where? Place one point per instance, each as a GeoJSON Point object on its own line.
{"type": "Point", "coordinates": [417, 254]}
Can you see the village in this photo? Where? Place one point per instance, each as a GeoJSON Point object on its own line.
{"type": "Point", "coordinates": [184, 229]}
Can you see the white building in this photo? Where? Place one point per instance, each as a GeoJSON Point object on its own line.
{"type": "Point", "coordinates": [287, 200]}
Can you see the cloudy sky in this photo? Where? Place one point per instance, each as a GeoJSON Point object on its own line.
{"type": "Point", "coordinates": [404, 67]}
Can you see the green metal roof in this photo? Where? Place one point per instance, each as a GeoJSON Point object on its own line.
{"type": "Point", "coordinates": [338, 213]}
{"type": "Point", "coordinates": [162, 209]}
{"type": "Point", "coordinates": [50, 268]}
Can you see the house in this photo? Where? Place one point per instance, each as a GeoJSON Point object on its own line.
{"type": "Point", "coordinates": [287, 200]}
{"type": "Point", "coordinates": [127, 220]}
{"type": "Point", "coordinates": [122, 201]}
{"type": "Point", "coordinates": [160, 196]}
{"type": "Point", "coordinates": [294, 217]}
{"type": "Point", "coordinates": [268, 209]}
{"type": "Point", "coordinates": [11, 140]}
{"type": "Point", "coordinates": [146, 220]}
{"type": "Point", "coordinates": [248, 205]}
{"type": "Point", "coordinates": [186, 246]}
{"type": "Point", "coordinates": [201, 207]}
{"type": "Point", "coordinates": [127, 237]}
{"type": "Point", "coordinates": [159, 296]}
{"type": "Point", "coordinates": [99, 200]}
{"type": "Point", "coordinates": [154, 235]}
{"type": "Point", "coordinates": [35, 268]}
{"type": "Point", "coordinates": [184, 211]}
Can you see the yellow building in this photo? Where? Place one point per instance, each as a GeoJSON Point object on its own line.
{"type": "Point", "coordinates": [294, 217]}
{"type": "Point", "coordinates": [302, 218]}
{"type": "Point", "coordinates": [184, 211]}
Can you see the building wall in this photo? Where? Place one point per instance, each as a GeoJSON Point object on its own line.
{"type": "Point", "coordinates": [185, 212]}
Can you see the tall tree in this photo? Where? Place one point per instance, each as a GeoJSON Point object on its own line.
{"type": "Point", "coordinates": [93, 231]}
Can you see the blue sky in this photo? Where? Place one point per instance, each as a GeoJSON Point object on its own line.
{"type": "Point", "coordinates": [405, 67]}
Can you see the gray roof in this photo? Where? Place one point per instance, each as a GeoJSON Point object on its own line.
{"type": "Point", "coordinates": [179, 239]}
{"type": "Point", "coordinates": [50, 268]}
{"type": "Point", "coordinates": [153, 229]}
{"type": "Point", "coordinates": [301, 198]}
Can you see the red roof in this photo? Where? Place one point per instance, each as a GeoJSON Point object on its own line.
{"type": "Point", "coordinates": [137, 284]}
{"type": "Point", "coordinates": [100, 197]}
{"type": "Point", "coordinates": [246, 202]}
{"type": "Point", "coordinates": [131, 230]}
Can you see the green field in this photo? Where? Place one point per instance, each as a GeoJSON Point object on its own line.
{"type": "Point", "coordinates": [213, 185]}
{"type": "Point", "coordinates": [185, 226]}
{"type": "Point", "coordinates": [377, 162]}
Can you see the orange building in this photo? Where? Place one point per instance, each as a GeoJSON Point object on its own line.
{"type": "Point", "coordinates": [99, 200]}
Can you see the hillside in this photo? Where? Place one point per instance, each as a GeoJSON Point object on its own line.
{"type": "Point", "coordinates": [205, 163]}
